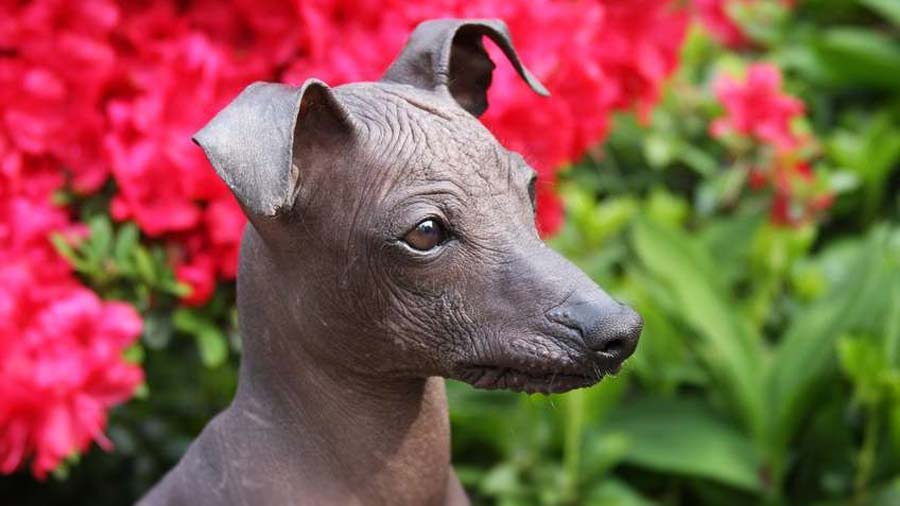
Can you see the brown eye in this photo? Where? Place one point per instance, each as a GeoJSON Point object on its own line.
{"type": "Point", "coordinates": [426, 235]}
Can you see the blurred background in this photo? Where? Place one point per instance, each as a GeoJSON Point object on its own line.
{"type": "Point", "coordinates": [729, 167]}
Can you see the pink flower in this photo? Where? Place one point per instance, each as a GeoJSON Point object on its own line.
{"type": "Point", "coordinates": [200, 276]}
{"type": "Point", "coordinates": [758, 107]}
{"type": "Point", "coordinates": [49, 91]}
{"type": "Point", "coordinates": [61, 369]}
{"type": "Point", "coordinates": [177, 84]}
{"type": "Point", "coordinates": [639, 49]}
{"type": "Point", "coordinates": [796, 198]}
{"type": "Point", "coordinates": [714, 16]}
{"type": "Point", "coordinates": [225, 222]}
{"type": "Point", "coordinates": [61, 364]}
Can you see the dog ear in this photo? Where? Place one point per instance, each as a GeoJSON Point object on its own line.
{"type": "Point", "coordinates": [449, 55]}
{"type": "Point", "coordinates": [256, 143]}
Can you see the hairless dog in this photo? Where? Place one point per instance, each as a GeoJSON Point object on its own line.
{"type": "Point", "coordinates": [391, 243]}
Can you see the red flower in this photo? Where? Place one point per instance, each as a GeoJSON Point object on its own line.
{"type": "Point", "coordinates": [714, 16]}
{"type": "Point", "coordinates": [758, 107]}
{"type": "Point", "coordinates": [638, 49]}
{"type": "Point", "coordinates": [59, 373]}
{"type": "Point", "coordinates": [796, 199]}
{"type": "Point", "coordinates": [61, 348]}
{"type": "Point", "coordinates": [225, 222]}
{"type": "Point", "coordinates": [176, 85]}
{"type": "Point", "coordinates": [200, 276]}
{"type": "Point", "coordinates": [61, 364]}
{"type": "Point", "coordinates": [757, 178]}
{"type": "Point", "coordinates": [49, 91]}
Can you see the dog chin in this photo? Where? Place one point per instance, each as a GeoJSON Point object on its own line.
{"type": "Point", "coordinates": [491, 377]}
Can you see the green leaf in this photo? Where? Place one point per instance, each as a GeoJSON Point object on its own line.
{"type": "Point", "coordinates": [134, 354]}
{"type": "Point", "coordinates": [661, 362]}
{"type": "Point", "coordinates": [858, 57]}
{"type": "Point", "coordinates": [142, 391]}
{"type": "Point", "coordinates": [502, 480]}
{"type": "Point", "coordinates": [126, 242]}
{"type": "Point", "coordinates": [616, 493]}
{"type": "Point", "coordinates": [98, 247]}
{"type": "Point", "coordinates": [144, 265]}
{"type": "Point", "coordinates": [665, 207]}
{"type": "Point", "coordinates": [888, 9]}
{"type": "Point", "coordinates": [892, 327]}
{"type": "Point", "coordinates": [729, 344]}
{"type": "Point", "coordinates": [211, 342]}
{"type": "Point", "coordinates": [684, 437]}
{"type": "Point", "coordinates": [806, 352]}
{"type": "Point", "coordinates": [889, 495]}
{"type": "Point", "coordinates": [865, 364]}
{"type": "Point", "coordinates": [212, 346]}
{"type": "Point", "coordinates": [698, 159]}
{"type": "Point", "coordinates": [65, 250]}
{"type": "Point", "coordinates": [730, 238]}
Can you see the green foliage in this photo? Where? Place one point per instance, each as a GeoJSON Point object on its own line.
{"type": "Point", "coordinates": [117, 265]}
{"type": "Point", "coordinates": [769, 367]}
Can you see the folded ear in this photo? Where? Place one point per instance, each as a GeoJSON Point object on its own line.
{"type": "Point", "coordinates": [256, 143]}
{"type": "Point", "coordinates": [449, 54]}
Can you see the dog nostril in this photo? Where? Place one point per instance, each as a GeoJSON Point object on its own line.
{"type": "Point", "coordinates": [612, 346]}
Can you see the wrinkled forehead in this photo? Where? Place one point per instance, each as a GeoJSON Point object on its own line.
{"type": "Point", "coordinates": [416, 136]}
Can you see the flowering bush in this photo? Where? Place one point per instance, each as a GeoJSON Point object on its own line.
{"type": "Point", "coordinates": [723, 165]}
{"type": "Point", "coordinates": [761, 116]}
{"type": "Point", "coordinates": [99, 91]}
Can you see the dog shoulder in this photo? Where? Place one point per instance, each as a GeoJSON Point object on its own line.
{"type": "Point", "coordinates": [201, 477]}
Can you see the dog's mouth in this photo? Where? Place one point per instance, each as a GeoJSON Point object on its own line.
{"type": "Point", "coordinates": [492, 377]}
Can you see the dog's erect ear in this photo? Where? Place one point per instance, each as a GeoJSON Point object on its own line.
{"type": "Point", "coordinates": [449, 54]}
{"type": "Point", "coordinates": [256, 143]}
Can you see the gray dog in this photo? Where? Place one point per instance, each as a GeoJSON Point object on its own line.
{"type": "Point", "coordinates": [392, 243]}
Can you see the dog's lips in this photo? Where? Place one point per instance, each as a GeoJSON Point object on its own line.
{"type": "Point", "coordinates": [490, 377]}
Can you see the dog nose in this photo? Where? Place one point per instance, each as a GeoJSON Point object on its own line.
{"type": "Point", "coordinates": [607, 327]}
{"type": "Point", "coordinates": [615, 334]}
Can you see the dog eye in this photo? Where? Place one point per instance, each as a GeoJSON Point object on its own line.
{"type": "Point", "coordinates": [426, 235]}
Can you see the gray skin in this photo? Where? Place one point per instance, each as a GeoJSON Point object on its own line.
{"type": "Point", "coordinates": [348, 329]}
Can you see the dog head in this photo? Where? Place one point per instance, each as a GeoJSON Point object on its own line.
{"type": "Point", "coordinates": [397, 236]}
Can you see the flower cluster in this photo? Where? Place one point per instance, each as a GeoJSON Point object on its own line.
{"type": "Point", "coordinates": [61, 364]}
{"type": "Point", "coordinates": [102, 97]}
{"type": "Point", "coordinates": [130, 83]}
{"type": "Point", "coordinates": [62, 369]}
{"type": "Point", "coordinates": [757, 107]}
{"type": "Point", "coordinates": [759, 113]}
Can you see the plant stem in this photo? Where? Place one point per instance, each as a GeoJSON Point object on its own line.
{"type": "Point", "coordinates": [575, 406]}
{"type": "Point", "coordinates": [866, 458]}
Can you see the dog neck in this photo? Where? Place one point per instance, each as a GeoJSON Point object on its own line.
{"type": "Point", "coordinates": [380, 441]}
